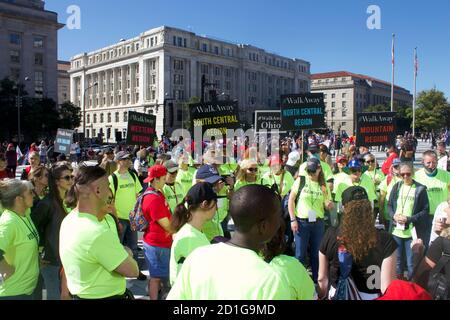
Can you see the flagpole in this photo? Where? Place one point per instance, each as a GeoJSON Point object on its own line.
{"type": "Point", "coordinates": [414, 97]}
{"type": "Point", "coordinates": [393, 64]}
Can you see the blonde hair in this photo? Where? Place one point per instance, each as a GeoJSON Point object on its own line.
{"type": "Point", "coordinates": [243, 166]}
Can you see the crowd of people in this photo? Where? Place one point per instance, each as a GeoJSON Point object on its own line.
{"type": "Point", "coordinates": [314, 220]}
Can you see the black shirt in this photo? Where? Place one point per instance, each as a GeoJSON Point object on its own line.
{"type": "Point", "coordinates": [436, 250]}
{"type": "Point", "coordinates": [386, 245]}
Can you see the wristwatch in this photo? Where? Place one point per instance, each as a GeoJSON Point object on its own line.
{"type": "Point", "coordinates": [293, 220]}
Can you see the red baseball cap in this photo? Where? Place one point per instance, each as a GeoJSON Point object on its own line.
{"type": "Point", "coordinates": [155, 172]}
{"type": "Point", "coordinates": [403, 290]}
{"type": "Point", "coordinates": [340, 158]}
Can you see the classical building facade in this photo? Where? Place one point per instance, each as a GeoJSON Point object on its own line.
{"type": "Point", "coordinates": [347, 93]}
{"type": "Point", "coordinates": [161, 69]}
{"type": "Point", "coordinates": [28, 46]}
{"type": "Point", "coordinates": [63, 82]}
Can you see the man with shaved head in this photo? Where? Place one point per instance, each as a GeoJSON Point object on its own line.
{"type": "Point", "coordinates": [234, 270]}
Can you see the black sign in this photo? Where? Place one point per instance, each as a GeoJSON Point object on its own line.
{"type": "Point", "coordinates": [375, 129]}
{"type": "Point", "coordinates": [141, 128]}
{"type": "Point", "coordinates": [302, 111]}
{"type": "Point", "coordinates": [64, 139]}
{"type": "Point", "coordinates": [216, 117]}
{"type": "Point", "coordinates": [267, 120]}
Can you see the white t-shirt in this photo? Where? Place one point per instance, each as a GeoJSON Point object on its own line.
{"type": "Point", "coordinates": [293, 158]}
{"type": "Point", "coordinates": [442, 163]}
{"type": "Point", "coordinates": [438, 214]}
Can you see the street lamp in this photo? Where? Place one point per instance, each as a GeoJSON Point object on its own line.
{"type": "Point", "coordinates": [84, 107]}
{"type": "Point", "coordinates": [19, 102]}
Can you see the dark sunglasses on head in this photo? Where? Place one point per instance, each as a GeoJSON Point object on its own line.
{"type": "Point", "coordinates": [253, 169]}
{"type": "Point", "coordinates": [406, 174]}
{"type": "Point", "coordinates": [67, 178]}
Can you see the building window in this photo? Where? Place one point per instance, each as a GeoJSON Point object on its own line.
{"type": "Point", "coordinates": [179, 115]}
{"type": "Point", "coordinates": [15, 74]}
{"type": "Point", "coordinates": [101, 118]}
{"type": "Point", "coordinates": [227, 85]}
{"type": "Point", "coordinates": [227, 73]}
{"type": "Point", "coordinates": [153, 95]}
{"type": "Point", "coordinates": [109, 117]}
{"type": "Point", "coordinates": [343, 124]}
{"type": "Point", "coordinates": [136, 97]}
{"type": "Point", "coordinates": [184, 43]}
{"type": "Point", "coordinates": [325, 96]}
{"type": "Point", "coordinates": [38, 42]}
{"type": "Point", "coordinates": [217, 71]}
{"type": "Point", "coordinates": [153, 78]}
{"type": "Point", "coordinates": [125, 116]}
{"type": "Point", "coordinates": [95, 118]}
{"type": "Point", "coordinates": [333, 113]}
{"type": "Point", "coordinates": [333, 104]}
{"type": "Point", "coordinates": [178, 79]}
{"type": "Point", "coordinates": [204, 47]}
{"type": "Point", "coordinates": [117, 117]}
{"type": "Point", "coordinates": [204, 68]}
{"type": "Point", "coordinates": [15, 56]}
{"type": "Point", "coordinates": [94, 131]}
{"type": "Point", "coordinates": [333, 96]}
{"type": "Point", "coordinates": [151, 42]}
{"type": "Point", "coordinates": [14, 38]}
{"type": "Point", "coordinates": [216, 50]}
{"type": "Point", "coordinates": [174, 40]}
{"type": "Point", "coordinates": [178, 64]}
{"type": "Point", "coordinates": [128, 98]}
{"type": "Point", "coordinates": [344, 104]}
{"type": "Point", "coordinates": [39, 84]}
{"type": "Point", "coordinates": [344, 95]}
{"type": "Point", "coordinates": [38, 59]}
{"type": "Point", "coordinates": [180, 41]}
{"type": "Point", "coordinates": [88, 118]}
{"type": "Point", "coordinates": [119, 99]}
{"type": "Point", "coordinates": [344, 113]}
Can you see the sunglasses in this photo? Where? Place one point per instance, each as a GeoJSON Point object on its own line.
{"type": "Point", "coordinates": [370, 161]}
{"type": "Point", "coordinates": [173, 173]}
{"type": "Point", "coordinates": [406, 174]}
{"type": "Point", "coordinates": [355, 170]}
{"type": "Point", "coordinates": [67, 178]}
{"type": "Point", "coordinates": [253, 169]}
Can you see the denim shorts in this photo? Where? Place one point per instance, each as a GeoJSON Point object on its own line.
{"type": "Point", "coordinates": [158, 260]}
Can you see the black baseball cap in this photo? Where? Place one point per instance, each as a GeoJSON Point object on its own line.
{"type": "Point", "coordinates": [208, 173]}
{"type": "Point", "coordinates": [354, 193]}
{"type": "Point", "coordinates": [312, 164]}
{"type": "Point", "coordinates": [202, 191]}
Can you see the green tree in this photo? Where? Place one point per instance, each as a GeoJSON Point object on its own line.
{"type": "Point", "coordinates": [377, 108]}
{"type": "Point", "coordinates": [69, 115]}
{"type": "Point", "coordinates": [433, 110]}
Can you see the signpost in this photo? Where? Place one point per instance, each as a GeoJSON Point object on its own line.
{"type": "Point", "coordinates": [375, 129]}
{"type": "Point", "coordinates": [302, 112]}
{"type": "Point", "coordinates": [64, 139]}
{"type": "Point", "coordinates": [268, 120]}
{"type": "Point", "coordinates": [141, 128]}
{"type": "Point", "coordinates": [215, 117]}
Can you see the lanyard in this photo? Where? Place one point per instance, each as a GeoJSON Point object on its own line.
{"type": "Point", "coordinates": [406, 198]}
{"type": "Point", "coordinates": [313, 200]}
{"type": "Point", "coordinates": [172, 187]}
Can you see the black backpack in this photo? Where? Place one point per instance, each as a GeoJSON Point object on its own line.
{"type": "Point", "coordinates": [439, 280]}
{"type": "Point", "coordinates": [133, 174]}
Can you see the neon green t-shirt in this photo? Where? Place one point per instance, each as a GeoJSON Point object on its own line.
{"type": "Point", "coordinates": [174, 195]}
{"type": "Point", "coordinates": [109, 222]}
{"type": "Point", "coordinates": [384, 187]}
{"type": "Point", "coordinates": [229, 167]}
{"type": "Point", "coordinates": [437, 187]}
{"type": "Point", "coordinates": [405, 206]}
{"type": "Point", "coordinates": [239, 273]}
{"type": "Point", "coordinates": [242, 183]}
{"type": "Point", "coordinates": [301, 286]}
{"type": "Point", "coordinates": [377, 176]}
{"type": "Point", "coordinates": [311, 200]}
{"type": "Point", "coordinates": [213, 227]}
{"type": "Point", "coordinates": [338, 178]}
{"type": "Point", "coordinates": [186, 240]}
{"type": "Point", "coordinates": [19, 240]}
{"type": "Point", "coordinates": [90, 253]}
{"type": "Point", "coordinates": [126, 193]}
{"type": "Point", "coordinates": [327, 172]}
{"type": "Point", "coordinates": [263, 169]}
{"type": "Point", "coordinates": [185, 177]}
{"type": "Point", "coordinates": [365, 182]}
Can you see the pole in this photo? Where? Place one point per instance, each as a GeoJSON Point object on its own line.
{"type": "Point", "coordinates": [303, 145]}
{"type": "Point", "coordinates": [18, 114]}
{"type": "Point", "coordinates": [393, 64]}
{"type": "Point", "coordinates": [84, 112]}
{"type": "Point", "coordinates": [414, 96]}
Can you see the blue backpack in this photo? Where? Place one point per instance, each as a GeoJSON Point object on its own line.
{"type": "Point", "coordinates": [137, 219]}
{"type": "Point", "coordinates": [346, 287]}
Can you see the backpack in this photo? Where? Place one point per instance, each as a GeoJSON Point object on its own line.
{"type": "Point", "coordinates": [439, 279]}
{"type": "Point", "coordinates": [137, 219]}
{"type": "Point", "coordinates": [346, 288]}
{"type": "Point", "coordinates": [116, 180]}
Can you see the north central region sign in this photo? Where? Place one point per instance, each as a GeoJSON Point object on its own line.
{"type": "Point", "coordinates": [302, 111]}
{"type": "Point", "coordinates": [215, 117]}
{"type": "Point", "coordinates": [141, 128]}
{"type": "Point", "coordinates": [268, 120]}
{"type": "Point", "coordinates": [375, 129]}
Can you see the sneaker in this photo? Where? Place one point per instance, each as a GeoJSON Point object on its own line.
{"type": "Point", "coordinates": [141, 276]}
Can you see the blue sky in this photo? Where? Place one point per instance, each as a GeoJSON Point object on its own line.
{"type": "Point", "coordinates": [330, 34]}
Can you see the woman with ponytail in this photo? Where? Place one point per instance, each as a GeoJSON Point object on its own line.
{"type": "Point", "coordinates": [198, 207]}
{"type": "Point", "coordinates": [48, 215]}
